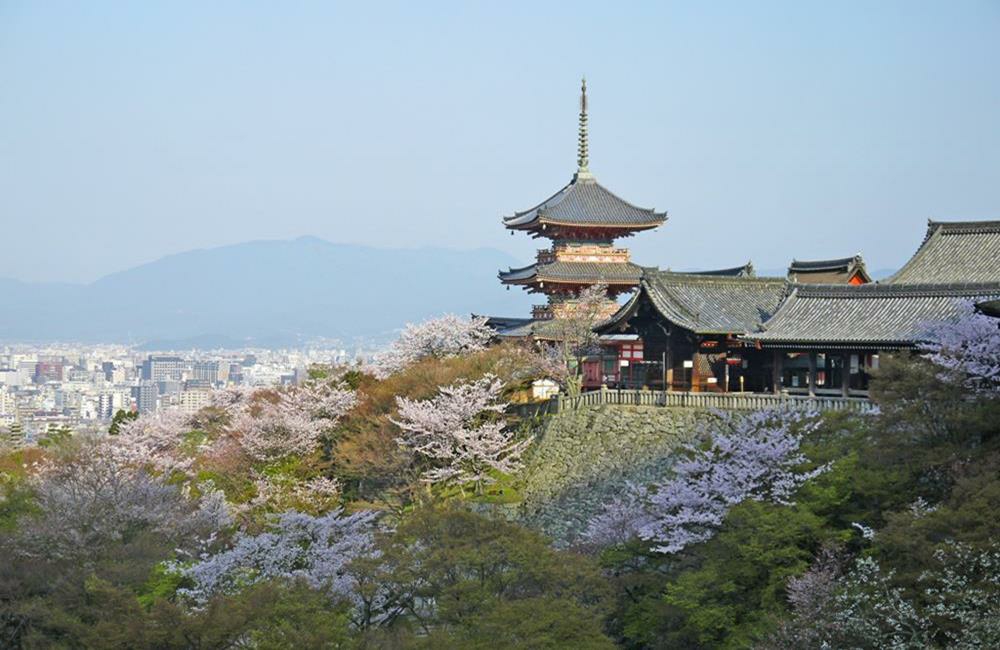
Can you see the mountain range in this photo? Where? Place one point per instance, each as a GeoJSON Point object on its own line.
{"type": "Point", "coordinates": [262, 293]}
{"type": "Point", "coordinates": [265, 294]}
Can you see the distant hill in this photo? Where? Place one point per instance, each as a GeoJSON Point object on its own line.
{"type": "Point", "coordinates": [266, 293]}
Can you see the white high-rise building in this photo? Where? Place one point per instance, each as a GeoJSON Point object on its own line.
{"type": "Point", "coordinates": [8, 404]}
{"type": "Point", "coordinates": [192, 401]}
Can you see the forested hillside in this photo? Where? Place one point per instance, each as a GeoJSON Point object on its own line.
{"type": "Point", "coordinates": [405, 505]}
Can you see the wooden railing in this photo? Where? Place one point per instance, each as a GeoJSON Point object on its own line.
{"type": "Point", "coordinates": [725, 401]}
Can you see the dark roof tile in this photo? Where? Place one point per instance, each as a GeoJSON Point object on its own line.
{"type": "Point", "coordinates": [833, 271]}
{"type": "Point", "coordinates": [956, 251]}
{"type": "Point", "coordinates": [745, 271]}
{"type": "Point", "coordinates": [872, 315]}
{"type": "Point", "coordinates": [610, 272]}
{"type": "Point", "coordinates": [707, 304]}
{"type": "Point", "coordinates": [586, 202]}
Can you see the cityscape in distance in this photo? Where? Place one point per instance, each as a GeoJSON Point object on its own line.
{"type": "Point", "coordinates": [253, 314]}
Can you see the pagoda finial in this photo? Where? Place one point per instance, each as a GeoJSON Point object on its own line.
{"type": "Point", "coordinates": [583, 154]}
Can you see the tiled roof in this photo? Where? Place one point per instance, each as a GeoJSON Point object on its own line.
{"type": "Point", "coordinates": [707, 304]}
{"type": "Point", "coordinates": [504, 324]}
{"type": "Point", "coordinates": [585, 202]}
{"type": "Point", "coordinates": [828, 271]}
{"type": "Point", "coordinates": [544, 329]}
{"type": "Point", "coordinates": [609, 272]}
{"type": "Point", "coordinates": [957, 251]}
{"type": "Point", "coordinates": [745, 271]}
{"type": "Point", "coordinates": [823, 265]}
{"type": "Point", "coordinates": [873, 315]}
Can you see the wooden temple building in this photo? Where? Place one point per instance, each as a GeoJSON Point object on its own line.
{"type": "Point", "coordinates": [690, 326]}
{"type": "Point", "coordinates": [818, 330]}
{"type": "Point", "coordinates": [742, 333]}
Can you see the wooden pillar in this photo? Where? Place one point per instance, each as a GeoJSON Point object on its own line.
{"type": "Point", "coordinates": [779, 358]}
{"type": "Point", "coordinates": [668, 370]}
{"type": "Point", "coordinates": [812, 374]}
{"type": "Point", "coordinates": [845, 374]}
{"type": "Point", "coordinates": [695, 358]}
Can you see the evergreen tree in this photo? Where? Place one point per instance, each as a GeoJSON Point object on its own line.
{"type": "Point", "coordinates": [120, 418]}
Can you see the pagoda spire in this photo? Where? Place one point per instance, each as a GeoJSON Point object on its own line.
{"type": "Point", "coordinates": [583, 153]}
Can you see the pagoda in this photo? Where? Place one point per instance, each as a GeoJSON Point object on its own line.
{"type": "Point", "coordinates": [582, 220]}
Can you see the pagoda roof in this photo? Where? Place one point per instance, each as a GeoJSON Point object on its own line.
{"type": "Point", "coordinates": [744, 271]}
{"type": "Point", "coordinates": [877, 316]}
{"type": "Point", "coordinates": [509, 326]}
{"type": "Point", "coordinates": [954, 251]}
{"type": "Point", "coordinates": [585, 203]}
{"type": "Point", "coordinates": [549, 329]}
{"type": "Point", "coordinates": [574, 272]}
{"type": "Point", "coordinates": [706, 304]}
{"type": "Point", "coordinates": [833, 271]}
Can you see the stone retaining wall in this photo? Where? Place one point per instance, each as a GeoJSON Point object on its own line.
{"type": "Point", "coordinates": [585, 456]}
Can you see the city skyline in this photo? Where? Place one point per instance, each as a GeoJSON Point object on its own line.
{"type": "Point", "coordinates": [814, 131]}
{"type": "Point", "coordinates": [80, 388]}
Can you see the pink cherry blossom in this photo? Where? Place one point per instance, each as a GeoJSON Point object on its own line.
{"type": "Point", "coordinates": [446, 336]}
{"type": "Point", "coordinates": [455, 430]}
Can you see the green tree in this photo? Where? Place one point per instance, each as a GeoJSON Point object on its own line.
{"type": "Point", "coordinates": [107, 616]}
{"type": "Point", "coordinates": [55, 436]}
{"type": "Point", "coordinates": [121, 417]}
{"type": "Point", "coordinates": [272, 614]}
{"type": "Point", "coordinates": [539, 623]}
{"type": "Point", "coordinates": [453, 574]}
{"type": "Point", "coordinates": [724, 593]}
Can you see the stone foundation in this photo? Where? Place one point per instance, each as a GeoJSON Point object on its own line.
{"type": "Point", "coordinates": [583, 458]}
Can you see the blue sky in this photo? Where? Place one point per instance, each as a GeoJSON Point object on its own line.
{"type": "Point", "coordinates": [768, 130]}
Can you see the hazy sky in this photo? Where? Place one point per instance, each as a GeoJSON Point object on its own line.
{"type": "Point", "coordinates": [131, 130]}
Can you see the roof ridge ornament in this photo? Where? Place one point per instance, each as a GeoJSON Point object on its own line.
{"type": "Point", "coordinates": [583, 145]}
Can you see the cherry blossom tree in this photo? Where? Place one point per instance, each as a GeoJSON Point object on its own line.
{"type": "Point", "coordinates": [231, 397]}
{"type": "Point", "coordinates": [964, 589]}
{"type": "Point", "coordinates": [272, 431]}
{"type": "Point", "coordinates": [968, 347]}
{"type": "Point", "coordinates": [575, 334]}
{"type": "Point", "coordinates": [278, 493]}
{"type": "Point", "coordinates": [446, 336]}
{"type": "Point", "coordinates": [812, 597]}
{"type": "Point", "coordinates": [547, 360]}
{"type": "Point", "coordinates": [318, 550]}
{"type": "Point", "coordinates": [621, 519]}
{"type": "Point", "coordinates": [322, 401]}
{"type": "Point", "coordinates": [956, 604]}
{"type": "Point", "coordinates": [263, 425]}
{"type": "Point", "coordinates": [290, 423]}
{"type": "Point", "coordinates": [751, 456]}
{"type": "Point", "coordinates": [155, 440]}
{"type": "Point", "coordinates": [94, 497]}
{"type": "Point", "coordinates": [462, 431]}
